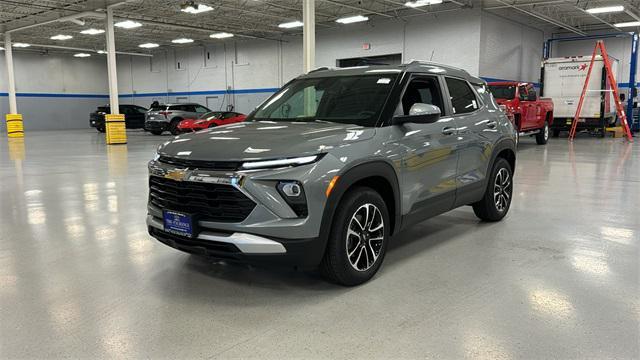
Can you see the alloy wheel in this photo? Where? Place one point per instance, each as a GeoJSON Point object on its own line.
{"type": "Point", "coordinates": [546, 132]}
{"type": "Point", "coordinates": [502, 190]}
{"type": "Point", "coordinates": [365, 236]}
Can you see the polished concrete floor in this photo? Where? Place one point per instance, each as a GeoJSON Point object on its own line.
{"type": "Point", "coordinates": [80, 277]}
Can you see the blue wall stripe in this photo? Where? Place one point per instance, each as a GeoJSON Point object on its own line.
{"type": "Point", "coordinates": [178, 93]}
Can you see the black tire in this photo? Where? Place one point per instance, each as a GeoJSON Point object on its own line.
{"type": "Point", "coordinates": [487, 208]}
{"type": "Point", "coordinates": [212, 125]}
{"type": "Point", "coordinates": [347, 236]}
{"type": "Point", "coordinates": [101, 129]}
{"type": "Point", "coordinates": [556, 133]}
{"type": "Point", "coordinates": [173, 126]}
{"type": "Point", "coordinates": [156, 132]}
{"type": "Point", "coordinates": [543, 136]}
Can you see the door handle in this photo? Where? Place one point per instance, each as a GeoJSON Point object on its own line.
{"type": "Point", "coordinates": [448, 131]}
{"type": "Point", "coordinates": [492, 124]}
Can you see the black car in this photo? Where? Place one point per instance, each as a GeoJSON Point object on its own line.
{"type": "Point", "coordinates": [134, 116]}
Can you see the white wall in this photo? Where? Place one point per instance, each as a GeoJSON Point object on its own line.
{"type": "Point", "coordinates": [482, 44]}
{"type": "Point", "coordinates": [255, 68]}
{"type": "Point", "coordinates": [79, 85]}
{"type": "Point", "coordinates": [509, 50]}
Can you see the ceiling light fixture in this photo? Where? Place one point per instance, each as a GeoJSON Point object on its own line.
{"type": "Point", "coordinates": [222, 35]}
{"type": "Point", "coordinates": [352, 19]}
{"type": "Point", "coordinates": [605, 9]}
{"type": "Point", "coordinates": [182, 41]}
{"type": "Point", "coordinates": [127, 24]}
{"type": "Point", "coordinates": [419, 3]}
{"type": "Point", "coordinates": [290, 25]}
{"type": "Point", "coordinates": [148, 45]}
{"type": "Point", "coordinates": [81, 55]}
{"type": "Point", "coordinates": [61, 37]}
{"type": "Point", "coordinates": [627, 24]}
{"type": "Point", "coordinates": [101, 52]}
{"type": "Point", "coordinates": [192, 8]}
{"type": "Point", "coordinates": [92, 31]}
{"type": "Point", "coordinates": [1, 48]}
{"type": "Point", "coordinates": [21, 45]}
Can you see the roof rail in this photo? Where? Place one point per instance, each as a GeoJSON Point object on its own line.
{"type": "Point", "coordinates": [318, 69]}
{"type": "Point", "coordinates": [425, 62]}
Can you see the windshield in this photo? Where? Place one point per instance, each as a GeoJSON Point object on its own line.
{"type": "Point", "coordinates": [343, 99]}
{"type": "Point", "coordinates": [506, 92]}
{"type": "Point", "coordinates": [211, 115]}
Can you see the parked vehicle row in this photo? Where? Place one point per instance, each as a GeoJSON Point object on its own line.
{"type": "Point", "coordinates": [175, 118]}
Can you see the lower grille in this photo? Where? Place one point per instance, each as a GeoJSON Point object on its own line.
{"type": "Point", "coordinates": [204, 201]}
{"type": "Point", "coordinates": [204, 247]}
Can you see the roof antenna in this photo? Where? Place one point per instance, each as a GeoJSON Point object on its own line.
{"type": "Point", "coordinates": [432, 52]}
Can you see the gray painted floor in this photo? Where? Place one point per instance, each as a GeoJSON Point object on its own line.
{"type": "Point", "coordinates": [80, 277]}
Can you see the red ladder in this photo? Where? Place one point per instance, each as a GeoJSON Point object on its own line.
{"type": "Point", "coordinates": [614, 86]}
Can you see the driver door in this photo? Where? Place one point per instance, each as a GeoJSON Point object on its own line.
{"type": "Point", "coordinates": [430, 158]}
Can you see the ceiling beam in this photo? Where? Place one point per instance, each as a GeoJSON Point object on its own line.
{"type": "Point", "coordinates": [546, 18]}
{"type": "Point", "coordinates": [365, 11]}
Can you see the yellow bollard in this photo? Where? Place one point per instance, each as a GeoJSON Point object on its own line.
{"type": "Point", "coordinates": [116, 130]}
{"type": "Point", "coordinates": [15, 129]}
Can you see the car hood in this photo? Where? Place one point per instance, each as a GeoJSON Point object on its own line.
{"type": "Point", "coordinates": [263, 140]}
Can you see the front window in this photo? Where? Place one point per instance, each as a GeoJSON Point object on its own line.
{"type": "Point", "coordinates": [505, 92]}
{"type": "Point", "coordinates": [342, 99]}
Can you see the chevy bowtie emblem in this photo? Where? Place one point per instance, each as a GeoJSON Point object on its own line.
{"type": "Point", "coordinates": [177, 175]}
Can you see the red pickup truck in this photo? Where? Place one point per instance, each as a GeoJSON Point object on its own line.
{"type": "Point", "coordinates": [531, 115]}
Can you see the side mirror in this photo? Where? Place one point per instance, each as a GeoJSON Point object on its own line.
{"type": "Point", "coordinates": [420, 114]}
{"type": "Point", "coordinates": [532, 96]}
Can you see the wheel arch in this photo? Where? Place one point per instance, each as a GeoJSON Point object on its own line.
{"type": "Point", "coordinates": [506, 150]}
{"type": "Point", "coordinates": [378, 175]}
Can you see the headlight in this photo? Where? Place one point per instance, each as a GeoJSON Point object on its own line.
{"type": "Point", "coordinates": [156, 157]}
{"type": "Point", "coordinates": [280, 162]}
{"type": "Point", "coordinates": [293, 193]}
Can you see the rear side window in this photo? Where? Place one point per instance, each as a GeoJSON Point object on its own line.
{"type": "Point", "coordinates": [158, 107]}
{"type": "Point", "coordinates": [463, 99]}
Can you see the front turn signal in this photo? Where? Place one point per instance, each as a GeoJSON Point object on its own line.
{"type": "Point", "coordinates": [332, 184]}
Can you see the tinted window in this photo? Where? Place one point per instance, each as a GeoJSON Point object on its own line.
{"type": "Point", "coordinates": [104, 109]}
{"type": "Point", "coordinates": [463, 100]}
{"type": "Point", "coordinates": [158, 107]}
{"type": "Point", "coordinates": [423, 90]}
{"type": "Point", "coordinates": [344, 99]}
{"type": "Point", "coordinates": [506, 92]}
{"type": "Point", "coordinates": [202, 109]}
{"type": "Point", "coordinates": [211, 115]}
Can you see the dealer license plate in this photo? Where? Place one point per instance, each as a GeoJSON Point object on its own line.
{"type": "Point", "coordinates": [178, 223]}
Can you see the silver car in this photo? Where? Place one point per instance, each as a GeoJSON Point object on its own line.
{"type": "Point", "coordinates": [166, 117]}
{"type": "Point", "coordinates": [324, 172]}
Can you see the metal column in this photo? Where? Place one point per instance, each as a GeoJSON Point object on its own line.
{"type": "Point", "coordinates": [111, 64]}
{"type": "Point", "coordinates": [8, 53]}
{"type": "Point", "coordinates": [634, 123]}
{"type": "Point", "coordinates": [309, 35]}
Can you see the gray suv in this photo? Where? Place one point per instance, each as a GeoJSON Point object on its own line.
{"type": "Point", "coordinates": [163, 117]}
{"type": "Point", "coordinates": [326, 170]}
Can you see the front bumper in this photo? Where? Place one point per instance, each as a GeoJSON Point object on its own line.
{"type": "Point", "coordinates": [186, 130]}
{"type": "Point", "coordinates": [270, 232]}
{"type": "Point", "coordinates": [152, 125]}
{"type": "Point", "coordinates": [242, 247]}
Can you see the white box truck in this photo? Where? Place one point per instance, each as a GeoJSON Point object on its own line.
{"type": "Point", "coordinates": [562, 81]}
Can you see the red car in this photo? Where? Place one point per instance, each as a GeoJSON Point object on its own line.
{"type": "Point", "coordinates": [210, 119]}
